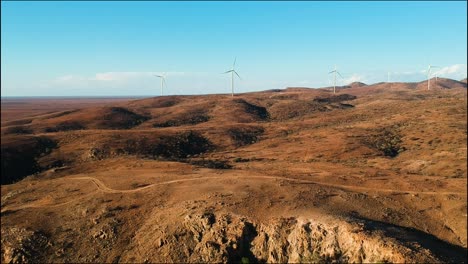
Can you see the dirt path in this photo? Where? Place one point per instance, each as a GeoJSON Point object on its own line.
{"type": "Point", "coordinates": [44, 202]}
{"type": "Point", "coordinates": [101, 186]}
{"type": "Point", "coordinates": [47, 202]}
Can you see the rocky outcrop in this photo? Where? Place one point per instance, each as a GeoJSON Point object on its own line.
{"type": "Point", "coordinates": [210, 237]}
{"type": "Point", "coordinates": [23, 246]}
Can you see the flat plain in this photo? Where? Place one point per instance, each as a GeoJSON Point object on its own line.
{"type": "Point", "coordinates": [373, 173]}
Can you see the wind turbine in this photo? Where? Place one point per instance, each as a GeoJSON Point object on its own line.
{"type": "Point", "coordinates": [163, 82]}
{"type": "Point", "coordinates": [388, 77]}
{"type": "Point", "coordinates": [429, 75]}
{"type": "Point", "coordinates": [334, 78]}
{"type": "Point", "coordinates": [232, 71]}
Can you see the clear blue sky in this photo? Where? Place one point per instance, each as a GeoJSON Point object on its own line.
{"type": "Point", "coordinates": [112, 48]}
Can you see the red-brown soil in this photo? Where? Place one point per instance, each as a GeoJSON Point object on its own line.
{"type": "Point", "coordinates": [375, 173]}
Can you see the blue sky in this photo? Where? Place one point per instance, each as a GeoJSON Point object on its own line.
{"type": "Point", "coordinates": [114, 48]}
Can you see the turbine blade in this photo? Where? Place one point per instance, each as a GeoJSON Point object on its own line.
{"type": "Point", "coordinates": [331, 72]}
{"type": "Point", "coordinates": [340, 75]}
{"type": "Point", "coordinates": [227, 72]}
{"type": "Point", "coordinates": [158, 76]}
{"type": "Point", "coordinates": [234, 64]}
{"type": "Point", "coordinates": [237, 75]}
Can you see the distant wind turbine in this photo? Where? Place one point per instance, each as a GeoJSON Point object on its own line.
{"type": "Point", "coordinates": [163, 82]}
{"type": "Point", "coordinates": [334, 78]}
{"type": "Point", "coordinates": [232, 71]}
{"type": "Point", "coordinates": [429, 75]}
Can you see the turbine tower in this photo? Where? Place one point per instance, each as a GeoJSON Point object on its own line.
{"type": "Point", "coordinates": [232, 71]}
{"type": "Point", "coordinates": [429, 75]}
{"type": "Point", "coordinates": [163, 82]}
{"type": "Point", "coordinates": [334, 78]}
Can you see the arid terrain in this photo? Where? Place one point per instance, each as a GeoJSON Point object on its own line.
{"type": "Point", "coordinates": [374, 173]}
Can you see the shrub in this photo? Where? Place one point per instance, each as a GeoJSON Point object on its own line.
{"type": "Point", "coordinates": [188, 119]}
{"type": "Point", "coordinates": [388, 141]}
{"type": "Point", "coordinates": [335, 98]}
{"type": "Point", "coordinates": [174, 147]}
{"type": "Point", "coordinates": [69, 125]}
{"type": "Point", "coordinates": [18, 130]}
{"type": "Point", "coordinates": [212, 164]}
{"type": "Point", "coordinates": [245, 136]}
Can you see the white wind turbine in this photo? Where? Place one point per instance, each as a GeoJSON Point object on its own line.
{"type": "Point", "coordinates": [232, 71]}
{"type": "Point", "coordinates": [163, 82]}
{"type": "Point", "coordinates": [334, 78]}
{"type": "Point", "coordinates": [429, 75]}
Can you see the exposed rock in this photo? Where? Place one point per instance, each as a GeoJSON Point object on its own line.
{"type": "Point", "coordinates": [23, 246]}
{"type": "Point", "coordinates": [212, 237]}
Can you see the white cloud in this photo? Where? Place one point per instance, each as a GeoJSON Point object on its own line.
{"type": "Point", "coordinates": [457, 71]}
{"type": "Point", "coordinates": [354, 78]}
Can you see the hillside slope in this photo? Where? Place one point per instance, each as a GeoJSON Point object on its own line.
{"type": "Point", "coordinates": [374, 173]}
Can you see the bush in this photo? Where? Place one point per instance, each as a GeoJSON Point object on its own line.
{"type": "Point", "coordinates": [335, 98]}
{"type": "Point", "coordinates": [18, 130]}
{"type": "Point", "coordinates": [121, 118]}
{"type": "Point", "coordinates": [69, 125]}
{"type": "Point", "coordinates": [181, 146]}
{"type": "Point", "coordinates": [258, 111]}
{"type": "Point", "coordinates": [239, 159]}
{"type": "Point", "coordinates": [245, 136]}
{"type": "Point", "coordinates": [188, 119]}
{"type": "Point", "coordinates": [212, 164]}
{"type": "Point", "coordinates": [388, 141]}
{"type": "Point", "coordinates": [174, 147]}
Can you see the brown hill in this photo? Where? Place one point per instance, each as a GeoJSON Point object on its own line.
{"type": "Point", "coordinates": [355, 84]}
{"type": "Point", "coordinates": [90, 118]}
{"type": "Point", "coordinates": [442, 83]}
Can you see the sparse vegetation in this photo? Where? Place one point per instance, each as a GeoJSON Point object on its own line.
{"type": "Point", "coordinates": [121, 118]}
{"type": "Point", "coordinates": [312, 168]}
{"type": "Point", "coordinates": [212, 164]}
{"type": "Point", "coordinates": [239, 159]}
{"type": "Point", "coordinates": [192, 118]}
{"type": "Point", "coordinates": [258, 111]}
{"type": "Point", "coordinates": [172, 147]}
{"type": "Point", "coordinates": [18, 130]}
{"type": "Point", "coordinates": [65, 126]}
{"type": "Point", "coordinates": [290, 109]}
{"type": "Point", "coordinates": [335, 98]}
{"type": "Point", "coordinates": [181, 145]}
{"type": "Point", "coordinates": [20, 160]}
{"type": "Point", "coordinates": [388, 141]}
{"type": "Point", "coordinates": [161, 102]}
{"type": "Point", "coordinates": [245, 135]}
